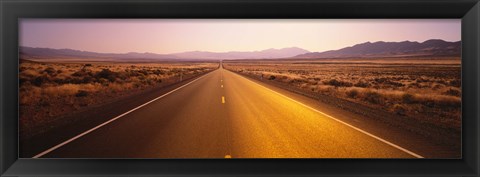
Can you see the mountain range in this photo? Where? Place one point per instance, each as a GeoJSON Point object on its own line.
{"type": "Point", "coordinates": [431, 47]}
{"type": "Point", "coordinates": [48, 53]}
{"type": "Point", "coordinates": [263, 54]}
{"type": "Point", "coordinates": [391, 49]}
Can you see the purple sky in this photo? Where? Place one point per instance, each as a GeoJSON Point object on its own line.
{"type": "Point", "coordinates": [179, 35]}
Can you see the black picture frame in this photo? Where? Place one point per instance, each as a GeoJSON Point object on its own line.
{"type": "Point", "coordinates": [467, 10]}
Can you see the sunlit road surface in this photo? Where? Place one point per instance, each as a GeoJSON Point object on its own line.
{"type": "Point", "coordinates": [225, 115]}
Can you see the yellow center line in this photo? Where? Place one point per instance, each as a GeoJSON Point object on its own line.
{"type": "Point", "coordinates": [228, 156]}
{"type": "Point", "coordinates": [223, 99]}
{"type": "Point", "coordinates": [222, 86]}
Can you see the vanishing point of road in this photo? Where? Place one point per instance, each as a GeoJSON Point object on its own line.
{"type": "Point", "coordinates": [225, 115]}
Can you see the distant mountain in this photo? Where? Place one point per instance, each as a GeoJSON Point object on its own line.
{"type": "Point", "coordinates": [368, 49]}
{"type": "Point", "coordinates": [382, 49]}
{"type": "Point", "coordinates": [48, 53]}
{"type": "Point", "coordinates": [264, 54]}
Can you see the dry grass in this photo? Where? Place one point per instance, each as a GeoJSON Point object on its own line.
{"type": "Point", "coordinates": [49, 90]}
{"type": "Point", "coordinates": [427, 89]}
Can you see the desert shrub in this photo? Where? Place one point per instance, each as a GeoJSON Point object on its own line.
{"type": "Point", "coordinates": [408, 98]}
{"type": "Point", "coordinates": [123, 75]}
{"type": "Point", "coordinates": [352, 93]}
{"type": "Point", "coordinates": [61, 90]}
{"type": "Point", "coordinates": [88, 79]}
{"type": "Point", "coordinates": [437, 86]}
{"type": "Point", "coordinates": [452, 92]}
{"type": "Point", "coordinates": [143, 77]}
{"type": "Point", "coordinates": [38, 81]}
{"type": "Point", "coordinates": [176, 70]}
{"type": "Point", "coordinates": [337, 83]}
{"type": "Point", "coordinates": [416, 85]}
{"type": "Point", "coordinates": [81, 93]}
{"type": "Point", "coordinates": [158, 72]}
{"type": "Point", "coordinates": [455, 83]}
{"type": "Point", "coordinates": [103, 81]}
{"type": "Point", "coordinates": [67, 80]}
{"type": "Point", "coordinates": [29, 73]}
{"type": "Point", "coordinates": [396, 84]}
{"type": "Point", "coordinates": [80, 73]}
{"type": "Point", "coordinates": [296, 81]}
{"type": "Point", "coordinates": [59, 81]}
{"type": "Point", "coordinates": [373, 97]}
{"type": "Point", "coordinates": [49, 70]}
{"type": "Point", "coordinates": [361, 84]}
{"type": "Point", "coordinates": [399, 109]}
{"type": "Point", "coordinates": [151, 81]}
{"type": "Point", "coordinates": [272, 77]}
{"type": "Point", "coordinates": [107, 74]}
{"type": "Point", "coordinates": [442, 82]}
{"type": "Point", "coordinates": [325, 89]}
{"type": "Point", "coordinates": [380, 80]}
{"type": "Point", "coordinates": [420, 80]}
{"type": "Point", "coordinates": [312, 82]}
{"type": "Point", "coordinates": [136, 85]}
{"type": "Point", "coordinates": [143, 71]}
{"type": "Point", "coordinates": [440, 101]}
{"type": "Point", "coordinates": [76, 80]}
{"type": "Point", "coordinates": [131, 73]}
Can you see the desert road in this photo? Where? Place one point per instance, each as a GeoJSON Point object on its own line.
{"type": "Point", "coordinates": [225, 115]}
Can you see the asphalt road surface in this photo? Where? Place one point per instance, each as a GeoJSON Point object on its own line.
{"type": "Point", "coordinates": [225, 115]}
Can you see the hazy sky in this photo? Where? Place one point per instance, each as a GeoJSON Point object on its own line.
{"type": "Point", "coordinates": [175, 35]}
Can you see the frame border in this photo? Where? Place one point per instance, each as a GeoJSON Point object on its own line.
{"type": "Point", "coordinates": [467, 10]}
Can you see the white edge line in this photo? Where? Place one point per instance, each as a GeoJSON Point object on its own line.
{"type": "Point", "coordinates": [351, 126]}
{"type": "Point", "coordinates": [111, 120]}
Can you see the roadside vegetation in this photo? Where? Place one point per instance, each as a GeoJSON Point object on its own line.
{"type": "Point", "coordinates": [425, 89]}
{"type": "Point", "coordinates": [48, 91]}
